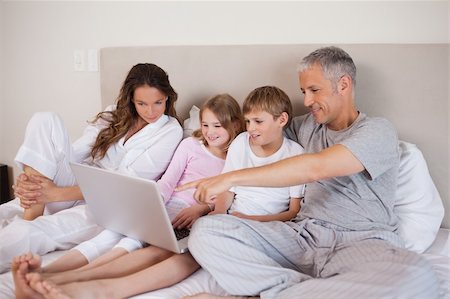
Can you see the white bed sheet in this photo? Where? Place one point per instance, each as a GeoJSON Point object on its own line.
{"type": "Point", "coordinates": [201, 281]}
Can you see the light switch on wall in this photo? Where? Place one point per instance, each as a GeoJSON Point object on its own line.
{"type": "Point", "coordinates": [92, 61]}
{"type": "Point", "coordinates": [85, 60]}
{"type": "Point", "coordinates": [79, 60]}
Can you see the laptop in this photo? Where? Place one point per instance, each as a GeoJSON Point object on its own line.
{"type": "Point", "coordinates": [128, 205]}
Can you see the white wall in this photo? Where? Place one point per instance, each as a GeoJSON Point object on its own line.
{"type": "Point", "coordinates": [37, 40]}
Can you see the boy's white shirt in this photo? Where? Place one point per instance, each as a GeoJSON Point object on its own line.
{"type": "Point", "coordinates": [260, 200]}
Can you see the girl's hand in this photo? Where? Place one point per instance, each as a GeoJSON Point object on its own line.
{"type": "Point", "coordinates": [27, 189]}
{"type": "Point", "coordinates": [188, 216]}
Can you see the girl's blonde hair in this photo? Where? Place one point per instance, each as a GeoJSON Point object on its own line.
{"type": "Point", "coordinates": [229, 114]}
{"type": "Point", "coordinates": [125, 115]}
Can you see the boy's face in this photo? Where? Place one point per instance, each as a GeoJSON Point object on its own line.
{"type": "Point", "coordinates": [262, 128]}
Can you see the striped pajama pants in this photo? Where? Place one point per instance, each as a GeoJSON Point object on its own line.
{"type": "Point", "coordinates": [308, 259]}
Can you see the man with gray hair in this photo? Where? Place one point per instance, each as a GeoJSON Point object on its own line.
{"type": "Point", "coordinates": [345, 230]}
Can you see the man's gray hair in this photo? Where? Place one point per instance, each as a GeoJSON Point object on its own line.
{"type": "Point", "coordinates": [334, 62]}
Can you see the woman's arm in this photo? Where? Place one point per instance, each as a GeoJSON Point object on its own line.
{"type": "Point", "coordinates": [48, 191]}
{"type": "Point", "coordinates": [35, 190]}
{"type": "Point", "coordinates": [24, 185]}
{"type": "Point", "coordinates": [294, 208]}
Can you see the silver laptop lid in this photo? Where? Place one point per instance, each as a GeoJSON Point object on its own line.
{"type": "Point", "coordinates": [128, 205]}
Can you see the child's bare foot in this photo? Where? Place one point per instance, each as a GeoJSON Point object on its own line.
{"type": "Point", "coordinates": [50, 290]}
{"type": "Point", "coordinates": [22, 288]}
{"type": "Point", "coordinates": [34, 261]}
{"type": "Point", "coordinates": [83, 290]}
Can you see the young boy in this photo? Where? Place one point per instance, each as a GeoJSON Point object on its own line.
{"type": "Point", "coordinates": [267, 110]}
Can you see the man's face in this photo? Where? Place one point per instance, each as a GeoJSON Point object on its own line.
{"type": "Point", "coordinates": [323, 101]}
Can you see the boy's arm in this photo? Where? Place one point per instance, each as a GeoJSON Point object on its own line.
{"type": "Point", "coordinates": [222, 203]}
{"type": "Point", "coordinates": [294, 208]}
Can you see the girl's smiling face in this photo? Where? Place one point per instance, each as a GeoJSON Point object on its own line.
{"type": "Point", "coordinates": [213, 131]}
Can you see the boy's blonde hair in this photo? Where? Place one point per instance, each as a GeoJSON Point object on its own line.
{"type": "Point", "coordinates": [229, 114]}
{"type": "Point", "coordinates": [270, 99]}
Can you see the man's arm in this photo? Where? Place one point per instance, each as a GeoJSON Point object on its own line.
{"type": "Point", "coordinates": [331, 162]}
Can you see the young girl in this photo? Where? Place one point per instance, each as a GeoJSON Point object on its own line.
{"type": "Point", "coordinates": [196, 157]}
{"type": "Point", "coordinates": [138, 137]}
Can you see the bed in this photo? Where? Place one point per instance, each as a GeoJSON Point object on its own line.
{"type": "Point", "coordinates": [386, 74]}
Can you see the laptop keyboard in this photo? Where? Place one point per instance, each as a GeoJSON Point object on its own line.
{"type": "Point", "coordinates": [181, 233]}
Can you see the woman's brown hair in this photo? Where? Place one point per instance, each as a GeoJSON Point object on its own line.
{"type": "Point", "coordinates": [122, 119]}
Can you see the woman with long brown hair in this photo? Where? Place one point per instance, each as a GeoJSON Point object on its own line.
{"type": "Point", "coordinates": [137, 136]}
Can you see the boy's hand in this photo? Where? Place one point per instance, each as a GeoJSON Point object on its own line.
{"type": "Point", "coordinates": [242, 215]}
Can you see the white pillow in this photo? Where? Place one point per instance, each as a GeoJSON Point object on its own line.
{"type": "Point", "coordinates": [192, 123]}
{"type": "Point", "coordinates": [418, 203]}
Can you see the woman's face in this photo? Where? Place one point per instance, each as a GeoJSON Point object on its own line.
{"type": "Point", "coordinates": [150, 103]}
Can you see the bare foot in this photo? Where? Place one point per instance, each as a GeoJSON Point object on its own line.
{"type": "Point", "coordinates": [82, 290]}
{"type": "Point", "coordinates": [19, 271]}
{"type": "Point", "coordinates": [50, 291]}
{"type": "Point", "coordinates": [34, 261]}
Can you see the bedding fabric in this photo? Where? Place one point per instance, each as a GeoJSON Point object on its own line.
{"type": "Point", "coordinates": [418, 204]}
{"type": "Point", "coordinates": [438, 255]}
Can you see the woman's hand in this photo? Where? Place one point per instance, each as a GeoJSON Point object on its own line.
{"type": "Point", "coordinates": [188, 216]}
{"type": "Point", "coordinates": [48, 190]}
{"type": "Point", "coordinates": [34, 189]}
{"type": "Point", "coordinates": [27, 189]}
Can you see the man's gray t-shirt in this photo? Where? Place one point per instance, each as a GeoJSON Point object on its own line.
{"type": "Point", "coordinates": [362, 201]}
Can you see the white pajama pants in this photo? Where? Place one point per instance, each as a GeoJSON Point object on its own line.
{"type": "Point", "coordinates": [105, 241]}
{"type": "Point", "coordinates": [47, 149]}
{"type": "Point", "coordinates": [309, 259]}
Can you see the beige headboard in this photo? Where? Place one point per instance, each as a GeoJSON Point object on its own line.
{"type": "Point", "coordinates": [407, 84]}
